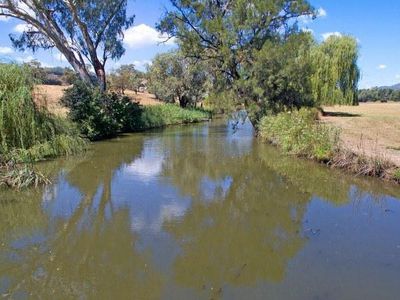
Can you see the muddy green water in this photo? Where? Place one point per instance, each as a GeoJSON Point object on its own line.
{"type": "Point", "coordinates": [199, 212]}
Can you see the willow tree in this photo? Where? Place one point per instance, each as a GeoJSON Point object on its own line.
{"type": "Point", "coordinates": [335, 75]}
{"type": "Point", "coordinates": [84, 31]}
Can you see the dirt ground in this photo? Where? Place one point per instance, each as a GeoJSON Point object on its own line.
{"type": "Point", "coordinates": [50, 95]}
{"type": "Point", "coordinates": [372, 129]}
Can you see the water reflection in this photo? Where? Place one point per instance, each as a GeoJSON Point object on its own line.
{"type": "Point", "coordinates": [196, 212]}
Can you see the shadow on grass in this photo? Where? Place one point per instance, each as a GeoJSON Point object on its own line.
{"type": "Point", "coordinates": [340, 114]}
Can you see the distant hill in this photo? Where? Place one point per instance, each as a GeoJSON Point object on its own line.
{"type": "Point", "coordinates": [396, 87]}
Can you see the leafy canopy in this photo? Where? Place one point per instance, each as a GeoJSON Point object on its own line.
{"type": "Point", "coordinates": [175, 77]}
{"type": "Point", "coordinates": [228, 32]}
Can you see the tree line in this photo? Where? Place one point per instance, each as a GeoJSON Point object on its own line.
{"type": "Point", "coordinates": [231, 53]}
{"type": "Point", "coordinates": [379, 94]}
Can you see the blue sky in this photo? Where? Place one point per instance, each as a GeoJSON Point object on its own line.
{"type": "Point", "coordinates": [376, 25]}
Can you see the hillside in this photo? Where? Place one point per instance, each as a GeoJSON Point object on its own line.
{"type": "Point", "coordinates": [396, 87]}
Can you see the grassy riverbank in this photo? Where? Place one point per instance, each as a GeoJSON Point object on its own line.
{"type": "Point", "coordinates": [300, 133]}
{"type": "Point", "coordinates": [157, 116]}
{"type": "Point", "coordinates": [30, 133]}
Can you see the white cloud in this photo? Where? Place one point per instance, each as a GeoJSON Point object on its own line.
{"type": "Point", "coordinates": [141, 64]}
{"type": "Point", "coordinates": [321, 13]}
{"type": "Point", "coordinates": [143, 35]}
{"type": "Point", "coordinates": [6, 50]}
{"type": "Point", "coordinates": [397, 76]}
{"type": "Point", "coordinates": [25, 59]}
{"type": "Point", "coordinates": [305, 19]}
{"type": "Point", "coordinates": [382, 67]}
{"type": "Point", "coordinates": [20, 28]}
{"type": "Point", "coordinates": [59, 57]}
{"type": "Point", "coordinates": [326, 35]}
{"type": "Point", "coordinates": [4, 19]}
{"type": "Point", "coordinates": [307, 30]}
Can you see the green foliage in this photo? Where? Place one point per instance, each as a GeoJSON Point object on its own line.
{"type": "Point", "coordinates": [378, 94]}
{"type": "Point", "coordinates": [255, 50]}
{"type": "Point", "coordinates": [100, 115]}
{"type": "Point", "coordinates": [396, 175]}
{"type": "Point", "coordinates": [126, 77]}
{"type": "Point", "coordinates": [335, 76]}
{"type": "Point", "coordinates": [227, 32]}
{"type": "Point", "coordinates": [25, 128]}
{"type": "Point", "coordinates": [279, 77]}
{"type": "Point", "coordinates": [297, 132]}
{"type": "Point", "coordinates": [174, 77]}
{"type": "Point", "coordinates": [170, 114]}
{"type": "Point", "coordinates": [103, 115]}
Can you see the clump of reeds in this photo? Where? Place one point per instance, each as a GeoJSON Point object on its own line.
{"type": "Point", "coordinates": [359, 164]}
{"type": "Point", "coordinates": [29, 133]}
{"type": "Point", "coordinates": [20, 176]}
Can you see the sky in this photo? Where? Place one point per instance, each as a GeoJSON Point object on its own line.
{"type": "Point", "coordinates": [375, 24]}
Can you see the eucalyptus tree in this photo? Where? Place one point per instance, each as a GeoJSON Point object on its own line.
{"type": "Point", "coordinates": [175, 77]}
{"type": "Point", "coordinates": [126, 77]}
{"type": "Point", "coordinates": [84, 31]}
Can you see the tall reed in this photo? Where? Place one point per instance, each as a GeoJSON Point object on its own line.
{"type": "Point", "coordinates": [25, 127]}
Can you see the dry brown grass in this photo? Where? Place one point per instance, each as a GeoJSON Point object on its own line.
{"type": "Point", "coordinates": [370, 129]}
{"type": "Point", "coordinates": [50, 95]}
{"type": "Point", "coordinates": [143, 98]}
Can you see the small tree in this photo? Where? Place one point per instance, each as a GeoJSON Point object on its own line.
{"type": "Point", "coordinates": [126, 77]}
{"type": "Point", "coordinates": [173, 77]}
{"type": "Point", "coordinates": [37, 71]}
{"type": "Point", "coordinates": [84, 31]}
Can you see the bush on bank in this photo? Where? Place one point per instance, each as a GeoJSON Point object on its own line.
{"type": "Point", "coordinates": [99, 115]}
{"type": "Point", "coordinates": [298, 133]}
{"type": "Point", "coordinates": [104, 115]}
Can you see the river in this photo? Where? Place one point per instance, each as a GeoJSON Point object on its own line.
{"type": "Point", "coordinates": [199, 212]}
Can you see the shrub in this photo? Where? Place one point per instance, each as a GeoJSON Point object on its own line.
{"type": "Point", "coordinates": [100, 115]}
{"type": "Point", "coordinates": [103, 115]}
{"type": "Point", "coordinates": [298, 132]}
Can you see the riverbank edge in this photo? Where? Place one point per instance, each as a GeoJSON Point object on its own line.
{"type": "Point", "coordinates": [338, 157]}
{"type": "Point", "coordinates": [356, 164]}
{"type": "Point", "coordinates": [24, 175]}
